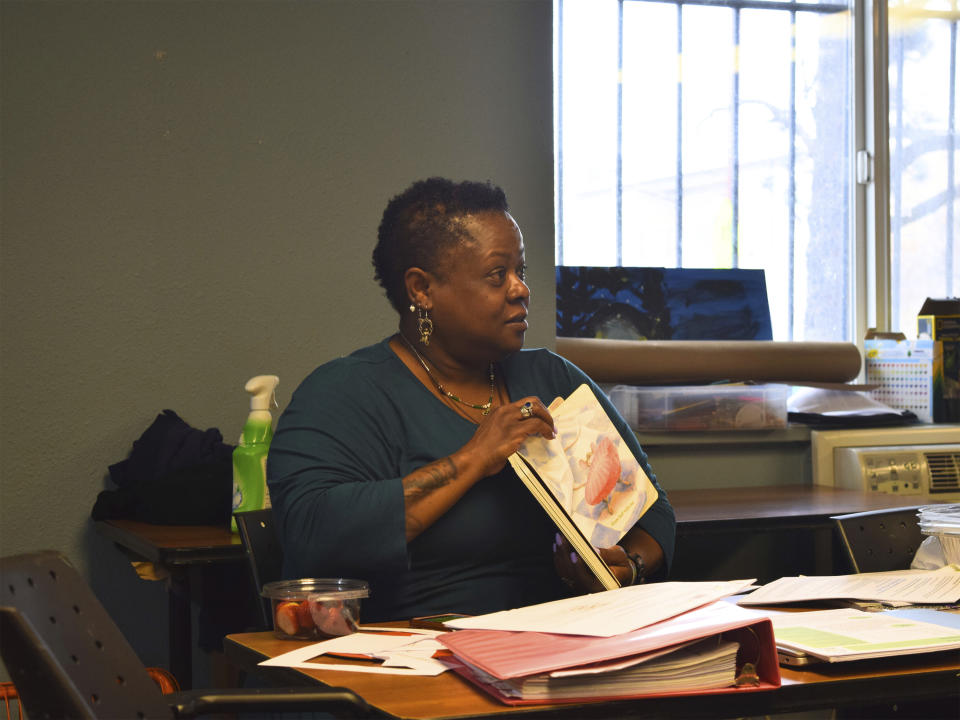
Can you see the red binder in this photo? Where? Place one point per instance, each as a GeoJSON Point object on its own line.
{"type": "Point", "coordinates": [504, 655]}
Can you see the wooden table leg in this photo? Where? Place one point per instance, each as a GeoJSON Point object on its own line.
{"type": "Point", "coordinates": [181, 630]}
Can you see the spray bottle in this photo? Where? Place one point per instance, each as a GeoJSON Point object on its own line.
{"type": "Point", "coordinates": [250, 456]}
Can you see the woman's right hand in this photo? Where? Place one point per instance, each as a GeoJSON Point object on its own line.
{"type": "Point", "coordinates": [501, 433]}
{"type": "Point", "coordinates": [433, 489]}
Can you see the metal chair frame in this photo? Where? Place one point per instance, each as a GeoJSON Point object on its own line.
{"type": "Point", "coordinates": [68, 659]}
{"type": "Point", "coordinates": [880, 540]}
{"type": "Point", "coordinates": [264, 553]}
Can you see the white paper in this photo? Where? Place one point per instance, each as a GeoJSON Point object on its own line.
{"type": "Point", "coordinates": [836, 403]}
{"type": "Point", "coordinates": [607, 613]}
{"type": "Point", "coordinates": [407, 654]}
{"type": "Point", "coordinates": [839, 635]}
{"type": "Point", "coordinates": [940, 586]}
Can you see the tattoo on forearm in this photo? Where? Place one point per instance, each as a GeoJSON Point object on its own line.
{"type": "Point", "coordinates": [424, 481]}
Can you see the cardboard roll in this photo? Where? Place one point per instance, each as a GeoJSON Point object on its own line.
{"type": "Point", "coordinates": [652, 362]}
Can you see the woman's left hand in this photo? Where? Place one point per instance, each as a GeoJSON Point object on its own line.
{"type": "Point", "coordinates": [580, 578]}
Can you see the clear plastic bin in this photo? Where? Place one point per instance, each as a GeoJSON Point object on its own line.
{"type": "Point", "coordinates": [702, 407]}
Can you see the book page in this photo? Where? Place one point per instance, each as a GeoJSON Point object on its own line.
{"type": "Point", "coordinates": [590, 470]}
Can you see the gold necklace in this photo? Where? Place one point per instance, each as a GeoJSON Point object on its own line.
{"type": "Point", "coordinates": [484, 408]}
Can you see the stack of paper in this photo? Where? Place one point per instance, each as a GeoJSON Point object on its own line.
{"type": "Point", "coordinates": [943, 521]}
{"type": "Point", "coordinates": [935, 587]}
{"type": "Point", "coordinates": [703, 665]}
{"type": "Point", "coordinates": [588, 648]}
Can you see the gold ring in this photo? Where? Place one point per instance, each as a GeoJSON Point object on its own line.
{"type": "Point", "coordinates": [526, 411]}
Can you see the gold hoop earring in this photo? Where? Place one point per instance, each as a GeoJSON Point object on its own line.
{"type": "Point", "coordinates": [424, 325]}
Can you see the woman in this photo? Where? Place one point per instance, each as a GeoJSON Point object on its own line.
{"type": "Point", "coordinates": [390, 464]}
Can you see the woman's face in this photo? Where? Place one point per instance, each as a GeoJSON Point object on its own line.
{"type": "Point", "coordinates": [479, 307]}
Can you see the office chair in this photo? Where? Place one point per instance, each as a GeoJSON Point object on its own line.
{"type": "Point", "coordinates": [880, 540]}
{"type": "Point", "coordinates": [264, 554]}
{"type": "Point", "coordinates": [68, 659]}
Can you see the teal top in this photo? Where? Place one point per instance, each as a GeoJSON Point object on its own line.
{"type": "Point", "coordinates": [354, 428]}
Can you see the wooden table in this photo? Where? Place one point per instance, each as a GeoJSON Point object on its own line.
{"type": "Point", "coordinates": [176, 548]}
{"type": "Point", "coordinates": [875, 682]}
{"type": "Point", "coordinates": [737, 512]}
{"type": "Point", "coordinates": [776, 506]}
{"type": "Point", "coordinates": [767, 532]}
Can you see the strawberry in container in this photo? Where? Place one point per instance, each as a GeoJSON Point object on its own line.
{"type": "Point", "coordinates": [311, 608]}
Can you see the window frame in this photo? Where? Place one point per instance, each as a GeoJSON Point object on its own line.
{"type": "Point", "coordinates": [870, 272]}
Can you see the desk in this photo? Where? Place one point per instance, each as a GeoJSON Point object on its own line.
{"type": "Point", "coordinates": [903, 679]}
{"type": "Point", "coordinates": [767, 531]}
{"type": "Point", "coordinates": [176, 548]}
{"type": "Point", "coordinates": [713, 514]}
{"type": "Point", "coordinates": [776, 506]}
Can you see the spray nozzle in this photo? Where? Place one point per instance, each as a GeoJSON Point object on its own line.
{"type": "Point", "coordinates": [262, 389]}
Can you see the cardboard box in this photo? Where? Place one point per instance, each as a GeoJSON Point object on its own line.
{"type": "Point", "coordinates": [939, 320]}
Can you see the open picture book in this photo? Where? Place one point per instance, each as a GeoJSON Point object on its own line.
{"type": "Point", "coordinates": [586, 478]}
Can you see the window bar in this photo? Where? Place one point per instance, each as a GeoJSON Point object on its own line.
{"type": "Point", "coordinates": [820, 8]}
{"type": "Point", "coordinates": [620, 133]}
{"type": "Point", "coordinates": [558, 131]}
{"type": "Point", "coordinates": [679, 203]}
{"type": "Point", "coordinates": [792, 180]}
{"type": "Point", "coordinates": [951, 155]}
{"type": "Point", "coordinates": [896, 37]}
{"type": "Point", "coordinates": [879, 287]}
{"type": "Point", "coordinates": [846, 248]}
{"type": "Point", "coordinates": [735, 189]}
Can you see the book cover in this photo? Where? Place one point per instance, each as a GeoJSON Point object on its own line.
{"type": "Point", "coordinates": [586, 478]}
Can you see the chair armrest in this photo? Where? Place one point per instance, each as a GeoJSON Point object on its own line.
{"type": "Point", "coordinates": [340, 702]}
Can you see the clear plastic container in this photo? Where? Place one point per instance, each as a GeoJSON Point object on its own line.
{"type": "Point", "coordinates": [702, 407]}
{"type": "Point", "coordinates": [943, 522]}
{"type": "Point", "coordinates": [312, 608]}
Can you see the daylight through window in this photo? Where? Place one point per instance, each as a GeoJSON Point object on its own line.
{"type": "Point", "coordinates": [722, 134]}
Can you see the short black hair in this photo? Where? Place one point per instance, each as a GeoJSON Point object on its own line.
{"type": "Point", "coordinates": [421, 224]}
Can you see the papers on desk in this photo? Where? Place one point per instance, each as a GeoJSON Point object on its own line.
{"type": "Point", "coordinates": [402, 651]}
{"type": "Point", "coordinates": [847, 634]}
{"type": "Point", "coordinates": [389, 651]}
{"type": "Point", "coordinates": [941, 587]}
{"type": "Point", "coordinates": [608, 613]}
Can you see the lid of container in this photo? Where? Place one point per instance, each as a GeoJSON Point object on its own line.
{"type": "Point", "coordinates": [322, 588]}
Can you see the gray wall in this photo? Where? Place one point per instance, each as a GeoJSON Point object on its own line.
{"type": "Point", "coordinates": [190, 195]}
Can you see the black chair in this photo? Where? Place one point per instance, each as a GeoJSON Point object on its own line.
{"type": "Point", "coordinates": [880, 540]}
{"type": "Point", "coordinates": [264, 553]}
{"type": "Point", "coordinates": [68, 659]}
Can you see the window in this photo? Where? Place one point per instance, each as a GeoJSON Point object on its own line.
{"type": "Point", "coordinates": [728, 133]}
{"type": "Point", "coordinates": [925, 224]}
